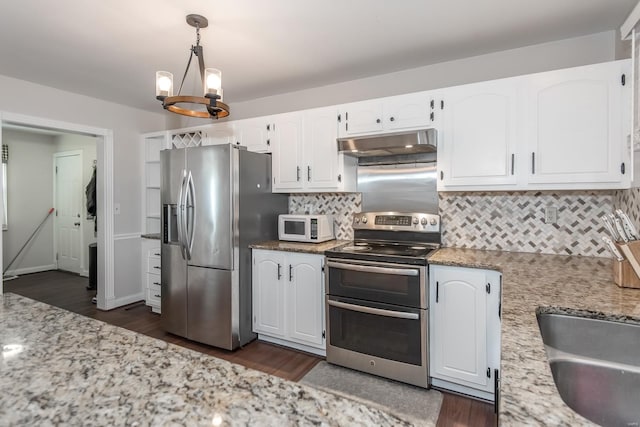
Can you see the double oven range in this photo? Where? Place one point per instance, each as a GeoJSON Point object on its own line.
{"type": "Point", "coordinates": [377, 297]}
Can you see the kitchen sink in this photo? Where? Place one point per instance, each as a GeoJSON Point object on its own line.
{"type": "Point", "coordinates": [595, 365]}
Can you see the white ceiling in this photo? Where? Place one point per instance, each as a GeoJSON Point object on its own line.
{"type": "Point", "coordinates": [111, 49]}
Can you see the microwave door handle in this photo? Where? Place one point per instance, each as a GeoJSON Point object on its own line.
{"type": "Point", "coordinates": [376, 311]}
{"type": "Point", "coordinates": [180, 215]}
{"type": "Point", "coordinates": [190, 217]}
{"type": "Point", "coordinates": [373, 269]}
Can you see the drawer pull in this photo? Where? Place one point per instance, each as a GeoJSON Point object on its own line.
{"type": "Point", "coordinates": [156, 254]}
{"type": "Point", "coordinates": [155, 266]}
{"type": "Point", "coordinates": [156, 283]}
{"type": "Point", "coordinates": [157, 296]}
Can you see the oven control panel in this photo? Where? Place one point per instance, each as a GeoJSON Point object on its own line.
{"type": "Point", "coordinates": [398, 221]}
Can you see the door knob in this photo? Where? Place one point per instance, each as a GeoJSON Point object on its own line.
{"type": "Point", "coordinates": [77, 224]}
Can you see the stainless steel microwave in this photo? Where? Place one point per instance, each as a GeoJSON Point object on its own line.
{"type": "Point", "coordinates": [305, 228]}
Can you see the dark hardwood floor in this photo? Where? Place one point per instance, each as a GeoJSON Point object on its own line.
{"type": "Point", "coordinates": [68, 291]}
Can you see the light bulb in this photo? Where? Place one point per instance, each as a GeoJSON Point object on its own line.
{"type": "Point", "coordinates": [212, 81]}
{"type": "Point", "coordinates": [164, 83]}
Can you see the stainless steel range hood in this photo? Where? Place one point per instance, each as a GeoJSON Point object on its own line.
{"type": "Point", "coordinates": [422, 141]}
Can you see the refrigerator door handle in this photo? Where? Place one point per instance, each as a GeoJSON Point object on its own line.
{"type": "Point", "coordinates": [190, 217]}
{"type": "Point", "coordinates": [180, 214]}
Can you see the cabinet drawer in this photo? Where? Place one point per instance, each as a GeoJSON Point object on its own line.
{"type": "Point", "coordinates": [154, 292]}
{"type": "Point", "coordinates": [153, 265]}
{"type": "Point", "coordinates": [154, 252]}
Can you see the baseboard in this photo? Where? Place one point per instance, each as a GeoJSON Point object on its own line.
{"type": "Point", "coordinates": [84, 273]}
{"type": "Point", "coordinates": [110, 304]}
{"type": "Point", "coordinates": [29, 270]}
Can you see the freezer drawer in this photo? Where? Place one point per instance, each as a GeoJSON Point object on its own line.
{"type": "Point", "coordinates": [209, 313]}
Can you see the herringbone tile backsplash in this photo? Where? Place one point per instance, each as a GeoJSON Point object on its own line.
{"type": "Point", "coordinates": [509, 221]}
{"type": "Point", "coordinates": [514, 221]}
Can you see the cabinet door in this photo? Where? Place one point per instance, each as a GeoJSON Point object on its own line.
{"type": "Point", "coordinates": [361, 118]}
{"type": "Point", "coordinates": [254, 134]}
{"type": "Point", "coordinates": [458, 327]}
{"type": "Point", "coordinates": [574, 124]}
{"type": "Point", "coordinates": [321, 150]}
{"type": "Point", "coordinates": [268, 292]}
{"type": "Point", "coordinates": [287, 153]}
{"type": "Point", "coordinates": [479, 135]}
{"type": "Point", "coordinates": [305, 306]}
{"type": "Point", "coordinates": [412, 111]}
{"type": "Point", "coordinates": [220, 133]}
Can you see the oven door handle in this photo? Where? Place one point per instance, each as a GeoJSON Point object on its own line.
{"type": "Point", "coordinates": [376, 311]}
{"type": "Point", "coordinates": [373, 269]}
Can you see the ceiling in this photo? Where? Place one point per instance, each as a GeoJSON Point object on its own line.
{"type": "Point", "coordinates": [112, 49]}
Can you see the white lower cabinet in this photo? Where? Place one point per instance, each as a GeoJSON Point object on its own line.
{"type": "Point", "coordinates": [151, 273]}
{"type": "Point", "coordinates": [288, 299]}
{"type": "Point", "coordinates": [464, 329]}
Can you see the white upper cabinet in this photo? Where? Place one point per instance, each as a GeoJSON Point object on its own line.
{"type": "Point", "coordinates": [386, 115]}
{"type": "Point", "coordinates": [255, 134]}
{"type": "Point", "coordinates": [306, 158]}
{"type": "Point", "coordinates": [220, 133]}
{"type": "Point", "coordinates": [575, 125]}
{"type": "Point", "coordinates": [479, 135]}
{"type": "Point", "coordinates": [287, 154]}
{"type": "Point", "coordinates": [563, 129]}
{"type": "Point", "coordinates": [360, 118]}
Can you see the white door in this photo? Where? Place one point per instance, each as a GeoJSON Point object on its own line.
{"type": "Point", "coordinates": [412, 111]}
{"type": "Point", "coordinates": [305, 298]}
{"type": "Point", "coordinates": [459, 326]}
{"type": "Point", "coordinates": [268, 292]}
{"type": "Point", "coordinates": [574, 124]}
{"type": "Point", "coordinates": [287, 157]}
{"type": "Point", "coordinates": [321, 149]}
{"type": "Point", "coordinates": [69, 210]}
{"type": "Point", "coordinates": [361, 118]}
{"type": "Point", "coordinates": [479, 135]}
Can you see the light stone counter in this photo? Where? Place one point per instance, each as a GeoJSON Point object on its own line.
{"type": "Point", "coordinates": [310, 248]}
{"type": "Point", "coordinates": [528, 395]}
{"type": "Point", "coordinates": [60, 368]}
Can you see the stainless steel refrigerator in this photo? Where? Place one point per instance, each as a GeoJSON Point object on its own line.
{"type": "Point", "coordinates": [216, 200]}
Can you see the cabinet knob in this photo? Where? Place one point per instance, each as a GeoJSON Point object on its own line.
{"type": "Point", "coordinates": [157, 296]}
{"type": "Point", "coordinates": [392, 119]}
{"type": "Point", "coordinates": [268, 142]}
{"type": "Point", "coordinates": [377, 120]}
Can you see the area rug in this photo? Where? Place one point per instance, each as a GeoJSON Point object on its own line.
{"type": "Point", "coordinates": [414, 404]}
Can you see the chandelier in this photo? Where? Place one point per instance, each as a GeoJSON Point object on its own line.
{"type": "Point", "coordinates": [211, 83]}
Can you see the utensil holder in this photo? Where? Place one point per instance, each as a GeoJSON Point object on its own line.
{"type": "Point", "coordinates": [625, 274]}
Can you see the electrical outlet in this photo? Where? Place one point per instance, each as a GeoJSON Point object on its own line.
{"type": "Point", "coordinates": [550, 215]}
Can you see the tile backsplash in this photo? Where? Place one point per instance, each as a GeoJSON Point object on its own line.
{"type": "Point", "coordinates": [509, 221]}
{"type": "Point", "coordinates": [514, 221]}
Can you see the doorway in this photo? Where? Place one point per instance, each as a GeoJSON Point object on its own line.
{"type": "Point", "coordinates": [68, 230]}
{"type": "Point", "coordinates": [104, 196]}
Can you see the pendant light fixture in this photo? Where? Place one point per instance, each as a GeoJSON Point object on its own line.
{"type": "Point", "coordinates": [211, 83]}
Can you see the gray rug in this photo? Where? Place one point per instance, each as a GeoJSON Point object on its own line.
{"type": "Point", "coordinates": [414, 404]}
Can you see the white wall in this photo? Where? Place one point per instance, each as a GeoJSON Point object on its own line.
{"type": "Point", "coordinates": [22, 97]}
{"type": "Point", "coordinates": [590, 49]}
{"type": "Point", "coordinates": [87, 145]}
{"type": "Point", "coordinates": [29, 198]}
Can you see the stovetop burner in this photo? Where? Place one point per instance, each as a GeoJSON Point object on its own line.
{"type": "Point", "coordinates": [406, 238]}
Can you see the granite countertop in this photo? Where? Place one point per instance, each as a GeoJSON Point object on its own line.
{"type": "Point", "coordinates": [61, 368]}
{"type": "Point", "coordinates": [528, 395]}
{"type": "Point", "coordinates": [311, 248]}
